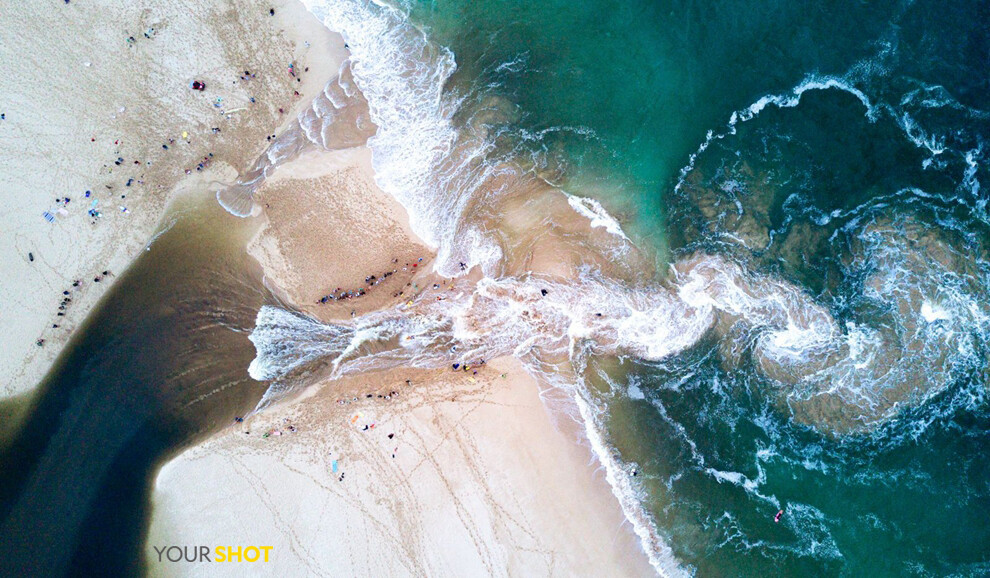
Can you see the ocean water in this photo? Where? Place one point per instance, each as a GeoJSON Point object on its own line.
{"type": "Point", "coordinates": [745, 243]}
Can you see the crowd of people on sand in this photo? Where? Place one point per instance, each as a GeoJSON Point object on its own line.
{"type": "Point", "coordinates": [287, 427]}
{"type": "Point", "coordinates": [383, 396]}
{"type": "Point", "coordinates": [465, 367]}
{"type": "Point", "coordinates": [357, 421]}
{"type": "Point", "coordinates": [63, 305]}
{"type": "Point", "coordinates": [119, 163]}
{"type": "Point", "coordinates": [340, 294]}
{"type": "Point", "coordinates": [277, 431]}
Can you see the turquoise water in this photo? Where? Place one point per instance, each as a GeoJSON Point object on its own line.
{"type": "Point", "coordinates": [810, 178]}
{"type": "Point", "coordinates": [648, 79]}
{"type": "Point", "coordinates": [839, 147]}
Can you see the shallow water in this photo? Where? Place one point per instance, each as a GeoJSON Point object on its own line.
{"type": "Point", "coordinates": [813, 175]}
{"type": "Point", "coordinates": [775, 296]}
{"type": "Point", "coordinates": [160, 362]}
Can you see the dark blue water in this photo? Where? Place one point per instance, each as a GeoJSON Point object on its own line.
{"type": "Point", "coordinates": [161, 362]}
{"type": "Point", "coordinates": [841, 147]}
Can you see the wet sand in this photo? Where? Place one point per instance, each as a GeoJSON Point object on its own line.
{"type": "Point", "coordinates": [485, 479]}
{"type": "Point", "coordinates": [481, 484]}
{"type": "Point", "coordinates": [162, 361]}
{"type": "Point", "coordinates": [327, 229]}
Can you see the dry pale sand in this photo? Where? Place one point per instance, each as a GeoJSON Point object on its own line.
{"type": "Point", "coordinates": [481, 484]}
{"type": "Point", "coordinates": [77, 95]}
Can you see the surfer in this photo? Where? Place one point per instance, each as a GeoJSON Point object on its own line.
{"type": "Point", "coordinates": [780, 514]}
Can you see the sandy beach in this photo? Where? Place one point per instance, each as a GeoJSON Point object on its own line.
{"type": "Point", "coordinates": [329, 228]}
{"type": "Point", "coordinates": [494, 288]}
{"type": "Point", "coordinates": [455, 475]}
{"type": "Point", "coordinates": [103, 121]}
{"type": "Point", "coordinates": [449, 473]}
{"type": "Point", "coordinates": [484, 480]}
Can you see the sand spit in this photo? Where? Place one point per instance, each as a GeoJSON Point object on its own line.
{"type": "Point", "coordinates": [328, 230]}
{"type": "Point", "coordinates": [452, 474]}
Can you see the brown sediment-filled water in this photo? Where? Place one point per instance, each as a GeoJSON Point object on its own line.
{"type": "Point", "coordinates": [160, 363]}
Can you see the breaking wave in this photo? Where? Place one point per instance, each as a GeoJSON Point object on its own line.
{"type": "Point", "coordinates": [433, 169]}
{"type": "Point", "coordinates": [920, 318]}
{"type": "Point", "coordinates": [337, 119]}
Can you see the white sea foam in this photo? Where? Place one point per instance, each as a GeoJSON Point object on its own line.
{"type": "Point", "coordinates": [596, 213]}
{"type": "Point", "coordinates": [785, 100]}
{"type": "Point", "coordinates": [795, 339]}
{"type": "Point", "coordinates": [436, 173]}
{"type": "Point", "coordinates": [659, 553]}
{"type": "Point", "coordinates": [418, 155]}
{"type": "Point", "coordinates": [285, 340]}
{"type": "Point", "coordinates": [168, 227]}
{"type": "Point", "coordinates": [970, 181]}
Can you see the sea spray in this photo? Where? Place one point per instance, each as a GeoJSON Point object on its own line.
{"type": "Point", "coordinates": [285, 340]}
{"type": "Point", "coordinates": [785, 100]}
{"type": "Point", "coordinates": [900, 112]}
{"type": "Point", "coordinates": [513, 316]}
{"type": "Point", "coordinates": [795, 340]}
{"type": "Point", "coordinates": [596, 214]}
{"type": "Point", "coordinates": [630, 500]}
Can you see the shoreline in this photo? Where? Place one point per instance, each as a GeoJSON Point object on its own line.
{"type": "Point", "coordinates": [468, 492]}
{"type": "Point", "coordinates": [304, 259]}
{"type": "Point", "coordinates": [732, 310]}
{"type": "Point", "coordinates": [156, 367]}
{"type": "Point", "coordinates": [315, 234]}
{"type": "Point", "coordinates": [295, 272]}
{"type": "Point", "coordinates": [167, 134]}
